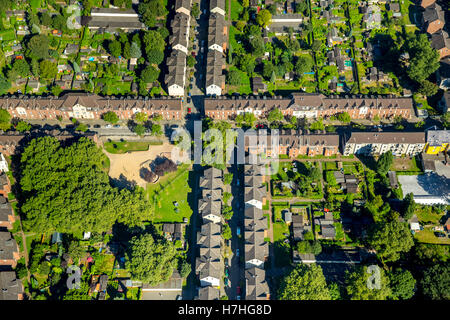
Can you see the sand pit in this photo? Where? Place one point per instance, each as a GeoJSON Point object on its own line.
{"type": "Point", "coordinates": [128, 164]}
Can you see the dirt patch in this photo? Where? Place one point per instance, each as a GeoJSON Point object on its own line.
{"type": "Point", "coordinates": [403, 164]}
{"type": "Point", "coordinates": [127, 166]}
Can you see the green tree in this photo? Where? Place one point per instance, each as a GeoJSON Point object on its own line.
{"type": "Point", "coordinates": [37, 47]}
{"type": "Point", "coordinates": [257, 46]}
{"type": "Point", "coordinates": [110, 117]}
{"type": "Point", "coordinates": [304, 283]}
{"type": "Point", "coordinates": [45, 19]}
{"type": "Point", "coordinates": [303, 64]}
{"type": "Point", "coordinates": [227, 178]}
{"type": "Point", "coordinates": [22, 67]}
{"type": "Point", "coordinates": [316, 45]}
{"type": "Point", "coordinates": [264, 18]}
{"type": "Point", "coordinates": [153, 40]}
{"type": "Point", "coordinates": [435, 283]}
{"type": "Point", "coordinates": [428, 88]}
{"type": "Point", "coordinates": [82, 127]}
{"type": "Point", "coordinates": [23, 126]}
{"type": "Point", "coordinates": [226, 232]}
{"type": "Point", "coordinates": [357, 285]}
{"type": "Point", "coordinates": [390, 239]}
{"type": "Point", "coordinates": [409, 206]}
{"type": "Point", "coordinates": [268, 69]}
{"type": "Point", "coordinates": [48, 69]}
{"type": "Point", "coordinates": [65, 189]}
{"type": "Point", "coordinates": [384, 162]}
{"type": "Point", "coordinates": [139, 129]}
{"type": "Point", "coordinates": [150, 260]}
{"type": "Point", "coordinates": [149, 74]}
{"type": "Point", "coordinates": [240, 25]}
{"type": "Point", "coordinates": [402, 284]}
{"type": "Point", "coordinates": [5, 120]}
{"type": "Point", "coordinates": [234, 78]}
{"type": "Point", "coordinates": [135, 51]}
{"type": "Point", "coordinates": [75, 251]}
{"type": "Point", "coordinates": [156, 129]}
{"type": "Point", "coordinates": [344, 117]}
{"type": "Point", "coordinates": [184, 267]}
{"type": "Point", "coordinates": [424, 60]}
{"type": "Point", "coordinates": [5, 84]}
{"type": "Point", "coordinates": [140, 117]}
{"type": "Point", "coordinates": [155, 56]}
{"type": "Point", "coordinates": [115, 48]}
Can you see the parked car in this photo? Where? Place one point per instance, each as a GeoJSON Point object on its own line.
{"type": "Point", "coordinates": [189, 99]}
{"type": "Point", "coordinates": [195, 47]}
{"type": "Point", "coordinates": [226, 272]}
{"type": "Point", "coordinates": [238, 290]}
{"type": "Point", "coordinates": [108, 126]}
{"type": "Point", "coordinates": [225, 282]}
{"type": "Point", "coordinates": [189, 110]}
{"type": "Point", "coordinates": [190, 86]}
{"type": "Point", "coordinates": [191, 79]}
{"type": "Point", "coordinates": [439, 234]}
{"type": "Point", "coordinates": [97, 126]}
{"type": "Point", "coordinates": [226, 262]}
{"type": "Point", "coordinates": [203, 43]}
{"type": "Point", "coordinates": [238, 298]}
{"type": "Point", "coordinates": [238, 231]}
{"type": "Point", "coordinates": [117, 126]}
{"type": "Point", "coordinates": [237, 252]}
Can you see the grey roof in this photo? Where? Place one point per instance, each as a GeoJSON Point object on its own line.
{"type": "Point", "coordinates": [256, 284]}
{"type": "Point", "coordinates": [297, 219]}
{"type": "Point", "coordinates": [5, 209]}
{"type": "Point", "coordinates": [328, 231]}
{"type": "Point", "coordinates": [253, 213]}
{"type": "Point", "coordinates": [208, 293]}
{"type": "Point", "coordinates": [215, 62]}
{"type": "Point", "coordinates": [209, 267]}
{"type": "Point", "coordinates": [71, 48]}
{"type": "Point", "coordinates": [440, 40]}
{"type": "Point", "coordinates": [255, 246]}
{"type": "Point", "coordinates": [209, 236]}
{"type": "Point", "coordinates": [387, 137]}
{"type": "Point", "coordinates": [256, 225]}
{"type": "Point", "coordinates": [255, 193]}
{"type": "Point", "coordinates": [212, 179]}
{"type": "Point", "coordinates": [180, 30]}
{"type": "Point", "coordinates": [112, 19]}
{"type": "Point", "coordinates": [209, 206]}
{"type": "Point", "coordinates": [438, 137]}
{"type": "Point", "coordinates": [433, 13]}
{"type": "Point", "coordinates": [216, 29]}
{"type": "Point", "coordinates": [183, 4]}
{"type": "Point", "coordinates": [10, 286]}
{"type": "Point", "coordinates": [176, 65]}
{"type": "Point", "coordinates": [217, 4]}
{"type": "Point", "coordinates": [8, 246]}
{"type": "Point", "coordinates": [168, 227]}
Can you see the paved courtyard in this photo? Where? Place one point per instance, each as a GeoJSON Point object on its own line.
{"type": "Point", "coordinates": [430, 184]}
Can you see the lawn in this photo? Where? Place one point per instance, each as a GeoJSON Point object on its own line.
{"type": "Point", "coordinates": [428, 216]}
{"type": "Point", "coordinates": [427, 236]}
{"type": "Point", "coordinates": [104, 263]}
{"type": "Point", "coordinates": [119, 147]}
{"type": "Point", "coordinates": [173, 187]}
{"type": "Point", "coordinates": [279, 228]}
{"type": "Point", "coordinates": [236, 8]}
{"type": "Point", "coordinates": [405, 164]}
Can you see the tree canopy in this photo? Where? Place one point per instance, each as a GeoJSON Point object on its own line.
{"type": "Point", "coordinates": [263, 18]}
{"type": "Point", "coordinates": [65, 189]}
{"type": "Point", "coordinates": [436, 282]}
{"type": "Point", "coordinates": [402, 284]}
{"type": "Point", "coordinates": [151, 260]}
{"type": "Point", "coordinates": [304, 283]}
{"type": "Point", "coordinates": [424, 60]}
{"type": "Point", "coordinates": [390, 239]}
{"type": "Point", "coordinates": [384, 162]}
{"type": "Point", "coordinates": [37, 47]}
{"type": "Point", "coordinates": [358, 288]}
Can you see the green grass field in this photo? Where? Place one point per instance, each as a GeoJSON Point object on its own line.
{"type": "Point", "coordinates": [172, 187]}
{"type": "Point", "coordinates": [119, 147]}
{"type": "Point", "coordinates": [427, 236]}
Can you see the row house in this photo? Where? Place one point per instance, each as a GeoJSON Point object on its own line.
{"type": "Point", "coordinates": [179, 41]}
{"type": "Point", "coordinates": [376, 143]}
{"type": "Point", "coordinates": [209, 264]}
{"type": "Point", "coordinates": [310, 105]}
{"type": "Point", "coordinates": [12, 140]}
{"type": "Point", "coordinates": [176, 77]}
{"type": "Point", "coordinates": [256, 249]}
{"type": "Point", "coordinates": [7, 217]}
{"type": "Point", "coordinates": [294, 143]}
{"type": "Point", "coordinates": [88, 106]}
{"type": "Point", "coordinates": [215, 60]}
{"type": "Point", "coordinates": [9, 250]}
{"type": "Point", "coordinates": [215, 79]}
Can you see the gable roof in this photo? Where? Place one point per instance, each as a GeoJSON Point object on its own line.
{"type": "Point", "coordinates": [10, 286]}
{"type": "Point", "coordinates": [256, 284]}
{"type": "Point", "coordinates": [387, 137]}
{"type": "Point", "coordinates": [8, 246]}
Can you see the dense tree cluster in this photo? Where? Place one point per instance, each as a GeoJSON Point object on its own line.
{"type": "Point", "coordinates": [165, 166]}
{"type": "Point", "coordinates": [65, 189]}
